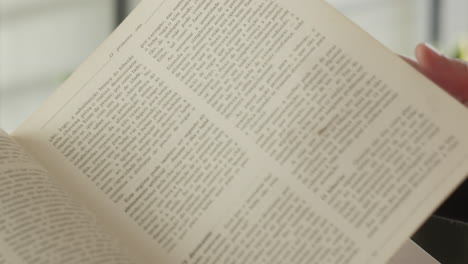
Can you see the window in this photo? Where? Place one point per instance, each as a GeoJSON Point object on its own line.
{"type": "Point", "coordinates": [41, 43]}
{"type": "Point", "coordinates": [453, 22]}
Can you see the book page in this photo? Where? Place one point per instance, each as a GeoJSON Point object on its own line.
{"type": "Point", "coordinates": [40, 223]}
{"type": "Point", "coordinates": [7, 256]}
{"type": "Point", "coordinates": [251, 132]}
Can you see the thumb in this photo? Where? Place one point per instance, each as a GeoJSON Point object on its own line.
{"type": "Point", "coordinates": [450, 74]}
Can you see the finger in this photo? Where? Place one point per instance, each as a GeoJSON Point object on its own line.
{"type": "Point", "coordinates": [450, 74]}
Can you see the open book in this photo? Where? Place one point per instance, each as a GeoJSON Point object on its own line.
{"type": "Point", "coordinates": [231, 131]}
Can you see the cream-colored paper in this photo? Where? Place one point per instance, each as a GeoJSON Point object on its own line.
{"type": "Point", "coordinates": [251, 132]}
{"type": "Point", "coordinates": [40, 223]}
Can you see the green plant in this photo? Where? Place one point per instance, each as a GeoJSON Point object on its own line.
{"type": "Point", "coordinates": [461, 50]}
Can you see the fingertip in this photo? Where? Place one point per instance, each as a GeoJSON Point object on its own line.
{"type": "Point", "coordinates": [450, 74]}
{"type": "Point", "coordinates": [427, 55]}
{"type": "Point", "coordinates": [419, 51]}
{"type": "Point", "coordinates": [419, 48]}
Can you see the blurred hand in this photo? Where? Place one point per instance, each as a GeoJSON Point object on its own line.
{"type": "Point", "coordinates": [449, 74]}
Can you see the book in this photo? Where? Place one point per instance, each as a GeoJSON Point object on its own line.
{"type": "Point", "coordinates": [222, 131]}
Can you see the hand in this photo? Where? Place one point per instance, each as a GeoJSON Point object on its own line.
{"type": "Point", "coordinates": [449, 74]}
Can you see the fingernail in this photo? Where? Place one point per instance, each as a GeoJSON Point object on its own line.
{"type": "Point", "coordinates": [432, 48]}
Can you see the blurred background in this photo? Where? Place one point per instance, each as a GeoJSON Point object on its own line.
{"type": "Point", "coordinates": [43, 41]}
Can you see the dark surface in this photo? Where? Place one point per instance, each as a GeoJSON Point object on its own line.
{"type": "Point", "coordinates": [456, 207]}
{"type": "Point", "coordinates": [445, 235]}
{"type": "Point", "coordinates": [446, 240]}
